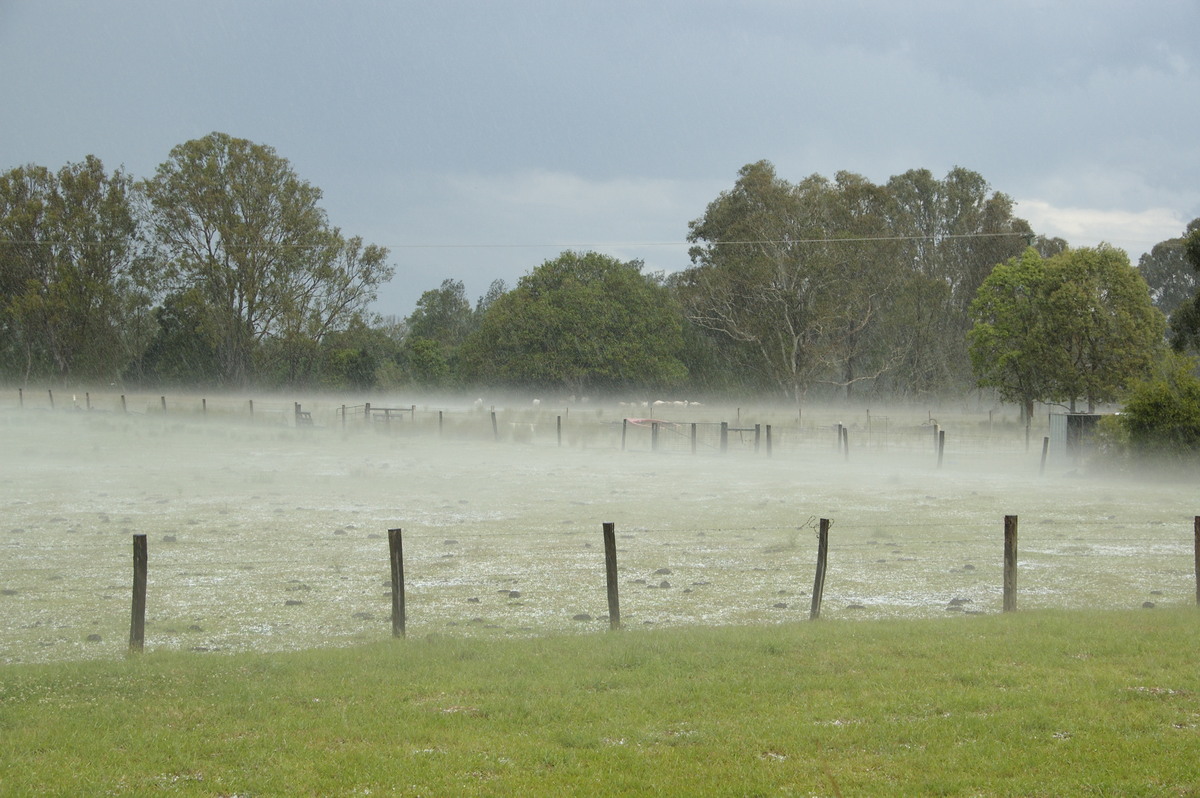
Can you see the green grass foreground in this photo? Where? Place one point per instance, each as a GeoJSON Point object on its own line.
{"type": "Point", "coordinates": [1033, 703]}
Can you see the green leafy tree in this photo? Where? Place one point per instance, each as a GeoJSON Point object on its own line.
{"type": "Point", "coordinates": [1161, 416]}
{"type": "Point", "coordinates": [245, 236]}
{"type": "Point", "coordinates": [583, 321]}
{"type": "Point", "coordinates": [1107, 331]}
{"type": "Point", "coordinates": [1185, 320]}
{"type": "Point", "coordinates": [1010, 342]}
{"type": "Point", "coordinates": [73, 302]}
{"type": "Point", "coordinates": [1173, 280]}
{"type": "Point", "coordinates": [1077, 326]}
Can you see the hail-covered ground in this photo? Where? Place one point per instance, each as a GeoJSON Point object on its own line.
{"type": "Point", "coordinates": [269, 532]}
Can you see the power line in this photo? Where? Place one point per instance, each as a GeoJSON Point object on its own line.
{"type": "Point", "coordinates": [600, 245]}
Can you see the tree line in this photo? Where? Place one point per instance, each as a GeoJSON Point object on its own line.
{"type": "Point", "coordinates": [222, 268]}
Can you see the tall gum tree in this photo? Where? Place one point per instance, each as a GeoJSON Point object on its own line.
{"type": "Point", "coordinates": [72, 276]}
{"type": "Point", "coordinates": [244, 236]}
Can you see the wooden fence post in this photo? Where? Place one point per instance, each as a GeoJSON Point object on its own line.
{"type": "Point", "coordinates": [1196, 532]}
{"type": "Point", "coordinates": [440, 423]}
{"type": "Point", "coordinates": [50, 392]}
{"type": "Point", "coordinates": [624, 429]}
{"type": "Point", "coordinates": [87, 400]}
{"type": "Point", "coordinates": [725, 434]}
{"type": "Point", "coordinates": [137, 623]}
{"type": "Point", "coordinates": [558, 427]}
{"type": "Point", "coordinates": [768, 440]}
{"type": "Point", "coordinates": [21, 398]}
{"type": "Point", "coordinates": [163, 399]}
{"type": "Point", "coordinates": [819, 581]}
{"type": "Point", "coordinates": [839, 429]}
{"type": "Point", "coordinates": [654, 436]}
{"type": "Point", "coordinates": [396, 550]}
{"type": "Point", "coordinates": [610, 575]}
{"type": "Point", "coordinates": [495, 429]}
{"type": "Point", "coordinates": [251, 401]}
{"type": "Point", "coordinates": [693, 437]}
{"type": "Point", "coordinates": [124, 409]}
{"type": "Point", "coordinates": [1010, 563]}
{"type": "Point", "coordinates": [1045, 451]}
{"type": "Point", "coordinates": [757, 437]}
{"type": "Point", "coordinates": [846, 443]}
{"type": "Point", "coordinates": [204, 407]}
{"type": "Point", "coordinates": [941, 446]}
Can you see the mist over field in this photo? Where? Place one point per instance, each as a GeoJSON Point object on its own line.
{"type": "Point", "coordinates": [267, 532]}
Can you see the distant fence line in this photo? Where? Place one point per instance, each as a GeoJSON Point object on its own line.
{"type": "Point", "coordinates": [399, 614]}
{"type": "Point", "coordinates": [585, 427]}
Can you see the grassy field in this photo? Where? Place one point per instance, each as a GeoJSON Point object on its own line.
{"type": "Point", "coordinates": [1046, 703]}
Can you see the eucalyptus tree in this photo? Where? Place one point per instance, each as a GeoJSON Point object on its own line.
{"type": "Point", "coordinates": [1172, 279]}
{"type": "Point", "coordinates": [954, 231]}
{"type": "Point", "coordinates": [245, 237]}
{"type": "Point", "coordinates": [799, 276]}
{"type": "Point", "coordinates": [72, 297]}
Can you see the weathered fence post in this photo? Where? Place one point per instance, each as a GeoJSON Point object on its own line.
{"type": "Point", "coordinates": [87, 400]}
{"type": "Point", "coordinates": [941, 446]}
{"type": "Point", "coordinates": [1010, 563]}
{"type": "Point", "coordinates": [1045, 451]}
{"type": "Point", "coordinates": [757, 437]}
{"type": "Point", "coordinates": [50, 392]}
{"type": "Point", "coordinates": [137, 623]}
{"type": "Point", "coordinates": [21, 398]}
{"type": "Point", "coordinates": [768, 440]}
{"type": "Point", "coordinates": [846, 443]}
{"type": "Point", "coordinates": [495, 429]}
{"type": "Point", "coordinates": [204, 407]}
{"type": "Point", "coordinates": [819, 580]}
{"type": "Point", "coordinates": [366, 411]}
{"type": "Point", "coordinates": [251, 401]}
{"type": "Point", "coordinates": [624, 429]}
{"type": "Point", "coordinates": [124, 409]}
{"type": "Point", "coordinates": [654, 436]}
{"type": "Point", "coordinates": [610, 575]}
{"type": "Point", "coordinates": [693, 437]}
{"type": "Point", "coordinates": [725, 434]}
{"type": "Point", "coordinates": [163, 400]}
{"type": "Point", "coordinates": [396, 550]}
{"type": "Point", "coordinates": [558, 429]}
{"type": "Point", "coordinates": [1196, 532]}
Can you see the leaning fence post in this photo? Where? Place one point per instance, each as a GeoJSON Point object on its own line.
{"type": "Point", "coordinates": [819, 581]}
{"type": "Point", "coordinates": [610, 575]}
{"type": "Point", "coordinates": [396, 549]}
{"type": "Point", "coordinates": [137, 623]}
{"type": "Point", "coordinates": [1045, 451]}
{"type": "Point", "coordinates": [50, 393]}
{"type": "Point", "coordinates": [1010, 563]}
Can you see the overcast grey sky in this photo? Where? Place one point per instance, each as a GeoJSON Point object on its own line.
{"type": "Point", "coordinates": [477, 139]}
